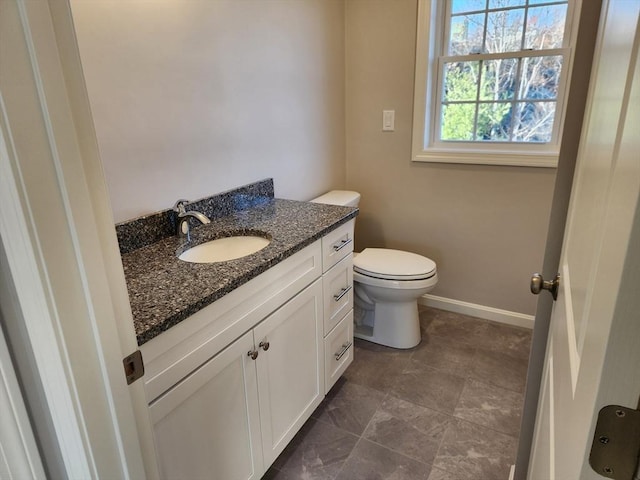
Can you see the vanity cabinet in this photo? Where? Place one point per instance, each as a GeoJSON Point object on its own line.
{"type": "Point", "coordinates": [230, 387]}
{"type": "Point", "coordinates": [233, 416]}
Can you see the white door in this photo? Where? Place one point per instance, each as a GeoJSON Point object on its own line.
{"type": "Point", "coordinates": [208, 425]}
{"type": "Point", "coordinates": [290, 367]}
{"type": "Point", "coordinates": [592, 350]}
{"type": "Point", "coordinates": [71, 323]}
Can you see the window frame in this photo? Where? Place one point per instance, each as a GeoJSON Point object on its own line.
{"type": "Point", "coordinates": [431, 39]}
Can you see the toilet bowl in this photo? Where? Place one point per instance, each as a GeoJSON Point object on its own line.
{"type": "Point", "coordinates": [387, 285]}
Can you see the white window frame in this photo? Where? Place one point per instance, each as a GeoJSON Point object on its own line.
{"type": "Point", "coordinates": [431, 37]}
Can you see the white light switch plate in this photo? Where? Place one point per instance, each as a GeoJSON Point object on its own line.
{"type": "Point", "coordinates": [388, 120]}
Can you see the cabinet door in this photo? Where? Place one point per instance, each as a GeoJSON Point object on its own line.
{"type": "Point", "coordinates": [291, 369]}
{"type": "Point", "coordinates": [207, 426]}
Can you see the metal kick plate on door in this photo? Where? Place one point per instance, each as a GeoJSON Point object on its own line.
{"type": "Point", "coordinates": [616, 443]}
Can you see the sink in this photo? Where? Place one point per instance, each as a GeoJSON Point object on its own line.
{"type": "Point", "coordinates": [223, 249]}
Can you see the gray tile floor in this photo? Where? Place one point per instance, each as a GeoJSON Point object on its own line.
{"type": "Point", "coordinates": [448, 409]}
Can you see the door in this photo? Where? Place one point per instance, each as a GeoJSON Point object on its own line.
{"type": "Point", "coordinates": [208, 425]}
{"type": "Point", "coordinates": [592, 352]}
{"type": "Point", "coordinates": [290, 368]}
{"type": "Point", "coordinates": [20, 457]}
{"type": "Point", "coordinates": [56, 229]}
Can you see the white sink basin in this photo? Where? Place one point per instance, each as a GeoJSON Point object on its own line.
{"type": "Point", "coordinates": [223, 249]}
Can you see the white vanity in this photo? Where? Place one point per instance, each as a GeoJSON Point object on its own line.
{"type": "Point", "coordinates": [231, 385]}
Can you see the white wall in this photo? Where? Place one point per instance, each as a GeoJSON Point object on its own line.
{"type": "Point", "coordinates": [195, 97]}
{"type": "Point", "coordinates": [485, 226]}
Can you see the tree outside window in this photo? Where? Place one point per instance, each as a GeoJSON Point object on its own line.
{"type": "Point", "coordinates": [500, 70]}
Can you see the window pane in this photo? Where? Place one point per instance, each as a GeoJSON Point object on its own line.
{"type": "Point", "coordinates": [506, 3]}
{"type": "Point", "coordinates": [493, 122]}
{"type": "Point", "coordinates": [540, 77]}
{"type": "Point", "coordinates": [457, 121]}
{"type": "Point", "coordinates": [466, 34]}
{"type": "Point", "coordinates": [545, 27]}
{"type": "Point", "coordinates": [504, 31]}
{"type": "Point", "coordinates": [461, 6]}
{"type": "Point", "coordinates": [533, 122]}
{"type": "Point", "coordinates": [498, 80]}
{"type": "Point", "coordinates": [460, 81]}
{"type": "Point", "coordinates": [493, 99]}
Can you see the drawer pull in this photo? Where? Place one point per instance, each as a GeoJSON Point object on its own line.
{"type": "Point", "coordinates": [342, 293]}
{"type": "Point", "coordinates": [253, 354]}
{"type": "Point", "coordinates": [264, 345]}
{"type": "Point", "coordinates": [343, 243]}
{"type": "Point", "coordinates": [345, 348]}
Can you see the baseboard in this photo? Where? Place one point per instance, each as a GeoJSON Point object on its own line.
{"type": "Point", "coordinates": [480, 311]}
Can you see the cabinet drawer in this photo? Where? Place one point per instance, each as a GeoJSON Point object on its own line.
{"type": "Point", "coordinates": [337, 287]}
{"type": "Point", "coordinates": [338, 351]}
{"type": "Point", "coordinates": [337, 244]}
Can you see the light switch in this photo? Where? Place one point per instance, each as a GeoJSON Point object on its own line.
{"type": "Point", "coordinates": [388, 120]}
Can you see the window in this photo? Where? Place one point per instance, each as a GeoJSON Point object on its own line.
{"type": "Point", "coordinates": [491, 77]}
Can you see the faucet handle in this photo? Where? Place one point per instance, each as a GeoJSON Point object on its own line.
{"type": "Point", "coordinates": [179, 205]}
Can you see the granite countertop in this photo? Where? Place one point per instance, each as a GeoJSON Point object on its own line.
{"type": "Point", "coordinates": [163, 291]}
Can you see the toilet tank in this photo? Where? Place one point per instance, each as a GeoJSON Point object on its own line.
{"type": "Point", "coordinates": [345, 198]}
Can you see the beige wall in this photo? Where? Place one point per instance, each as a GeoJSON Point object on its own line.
{"type": "Point", "coordinates": [485, 226]}
{"type": "Point", "coordinates": [194, 97]}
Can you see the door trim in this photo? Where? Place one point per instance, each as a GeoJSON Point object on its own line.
{"type": "Point", "coordinates": [72, 303]}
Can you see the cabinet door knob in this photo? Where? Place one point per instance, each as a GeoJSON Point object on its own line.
{"type": "Point", "coordinates": [264, 344]}
{"type": "Point", "coordinates": [253, 354]}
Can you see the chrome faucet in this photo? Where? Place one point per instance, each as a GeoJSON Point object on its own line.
{"type": "Point", "coordinates": [183, 218]}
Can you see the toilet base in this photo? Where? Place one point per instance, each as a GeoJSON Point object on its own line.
{"type": "Point", "coordinates": [399, 328]}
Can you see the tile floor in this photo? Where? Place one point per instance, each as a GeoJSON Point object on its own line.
{"type": "Point", "coordinates": [448, 409]}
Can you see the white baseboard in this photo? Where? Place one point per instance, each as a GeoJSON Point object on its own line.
{"type": "Point", "coordinates": [480, 311]}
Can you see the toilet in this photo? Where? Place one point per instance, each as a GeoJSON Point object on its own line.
{"type": "Point", "coordinates": [387, 286]}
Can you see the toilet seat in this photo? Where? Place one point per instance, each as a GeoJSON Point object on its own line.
{"type": "Point", "coordinates": [395, 284]}
{"type": "Point", "coordinates": [388, 264]}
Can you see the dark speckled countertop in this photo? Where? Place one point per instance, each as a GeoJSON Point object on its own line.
{"type": "Point", "coordinates": [163, 290]}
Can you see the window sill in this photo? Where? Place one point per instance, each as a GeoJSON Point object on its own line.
{"type": "Point", "coordinates": [515, 159]}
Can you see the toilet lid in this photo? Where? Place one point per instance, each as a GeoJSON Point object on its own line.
{"type": "Point", "coordinates": [393, 264]}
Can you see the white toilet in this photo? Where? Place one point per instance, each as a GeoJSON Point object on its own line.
{"type": "Point", "coordinates": [387, 286]}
